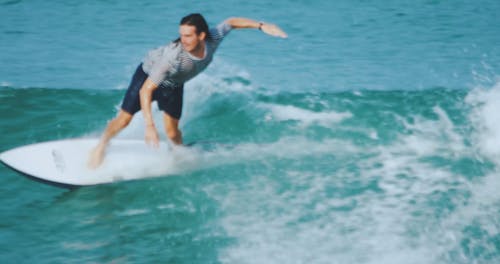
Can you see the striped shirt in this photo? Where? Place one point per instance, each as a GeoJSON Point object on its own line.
{"type": "Point", "coordinates": [171, 65]}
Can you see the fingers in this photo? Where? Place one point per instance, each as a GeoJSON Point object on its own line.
{"type": "Point", "coordinates": [279, 33]}
{"type": "Point", "coordinates": [151, 138]}
{"type": "Point", "coordinates": [153, 143]}
{"type": "Point", "coordinates": [274, 30]}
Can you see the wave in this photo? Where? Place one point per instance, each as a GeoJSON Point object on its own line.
{"type": "Point", "coordinates": [418, 169]}
{"type": "Point", "coordinates": [427, 191]}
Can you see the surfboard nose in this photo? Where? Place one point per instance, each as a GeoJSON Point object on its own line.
{"type": "Point", "coordinates": [64, 162]}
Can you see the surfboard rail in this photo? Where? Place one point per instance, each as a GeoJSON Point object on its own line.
{"type": "Point", "coordinates": [63, 163]}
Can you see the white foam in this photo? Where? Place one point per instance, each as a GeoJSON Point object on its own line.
{"type": "Point", "coordinates": [305, 227]}
{"type": "Point", "coordinates": [484, 117]}
{"type": "Point", "coordinates": [430, 136]}
{"type": "Point", "coordinates": [133, 212]}
{"type": "Point", "coordinates": [285, 148]}
{"type": "Point", "coordinates": [306, 223]}
{"type": "Point", "coordinates": [482, 207]}
{"type": "Point", "coordinates": [307, 117]}
{"type": "Point", "coordinates": [78, 245]}
{"type": "Point", "coordinates": [216, 80]}
{"type": "Point", "coordinates": [196, 93]}
{"type": "Point", "coordinates": [175, 160]}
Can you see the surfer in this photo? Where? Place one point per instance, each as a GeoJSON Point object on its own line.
{"type": "Point", "coordinates": [162, 74]}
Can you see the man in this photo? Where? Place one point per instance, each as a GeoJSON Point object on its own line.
{"type": "Point", "coordinates": [162, 75]}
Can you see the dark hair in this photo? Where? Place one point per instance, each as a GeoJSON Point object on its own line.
{"type": "Point", "coordinates": [196, 20]}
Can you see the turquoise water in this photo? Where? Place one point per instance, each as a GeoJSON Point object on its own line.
{"type": "Point", "coordinates": [371, 135]}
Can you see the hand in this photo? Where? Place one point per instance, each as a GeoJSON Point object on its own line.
{"type": "Point", "coordinates": [151, 136]}
{"type": "Point", "coordinates": [273, 30]}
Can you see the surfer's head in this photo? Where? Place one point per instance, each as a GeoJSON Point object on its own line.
{"type": "Point", "coordinates": [193, 31]}
{"type": "Point", "coordinates": [196, 20]}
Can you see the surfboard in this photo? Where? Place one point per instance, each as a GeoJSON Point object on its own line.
{"type": "Point", "coordinates": [63, 163]}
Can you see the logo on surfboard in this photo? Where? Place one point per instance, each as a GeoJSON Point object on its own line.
{"type": "Point", "coordinates": [58, 160]}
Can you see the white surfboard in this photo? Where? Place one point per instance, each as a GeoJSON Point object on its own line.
{"type": "Point", "coordinates": [63, 163]}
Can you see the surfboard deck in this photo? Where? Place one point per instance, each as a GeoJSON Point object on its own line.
{"type": "Point", "coordinates": [63, 163]}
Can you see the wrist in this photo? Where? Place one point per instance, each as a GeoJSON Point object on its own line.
{"type": "Point", "coordinates": [260, 26]}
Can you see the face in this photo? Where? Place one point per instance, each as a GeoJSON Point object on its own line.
{"type": "Point", "coordinates": [189, 39]}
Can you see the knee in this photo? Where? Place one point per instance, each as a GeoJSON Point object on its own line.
{"type": "Point", "coordinates": [122, 121]}
{"type": "Point", "coordinates": [174, 135]}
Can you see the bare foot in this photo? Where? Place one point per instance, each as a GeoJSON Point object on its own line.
{"type": "Point", "coordinates": [96, 157]}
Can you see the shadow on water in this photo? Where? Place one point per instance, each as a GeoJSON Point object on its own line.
{"type": "Point", "coordinates": [12, 2]}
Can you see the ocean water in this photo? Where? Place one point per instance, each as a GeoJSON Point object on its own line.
{"type": "Point", "coordinates": [370, 135]}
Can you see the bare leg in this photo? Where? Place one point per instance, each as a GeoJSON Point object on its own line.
{"type": "Point", "coordinates": [114, 127]}
{"type": "Point", "coordinates": [172, 129]}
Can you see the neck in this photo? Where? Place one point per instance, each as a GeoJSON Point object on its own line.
{"type": "Point", "coordinates": [199, 52]}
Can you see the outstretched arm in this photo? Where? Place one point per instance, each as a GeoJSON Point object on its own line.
{"type": "Point", "coordinates": [270, 29]}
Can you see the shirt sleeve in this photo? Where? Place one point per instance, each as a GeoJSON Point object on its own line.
{"type": "Point", "coordinates": [220, 31]}
{"type": "Point", "coordinates": [165, 66]}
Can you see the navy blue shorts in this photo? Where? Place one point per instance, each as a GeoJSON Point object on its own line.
{"type": "Point", "coordinates": [169, 98]}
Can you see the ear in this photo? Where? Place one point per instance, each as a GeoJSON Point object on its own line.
{"type": "Point", "coordinates": [202, 36]}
